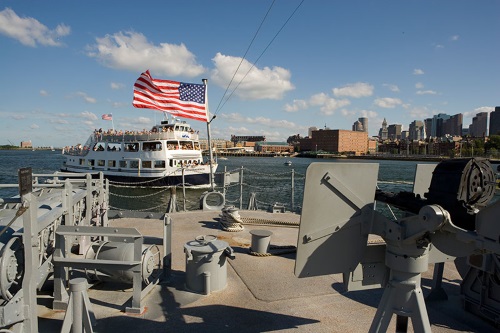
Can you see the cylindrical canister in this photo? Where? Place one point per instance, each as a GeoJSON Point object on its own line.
{"type": "Point", "coordinates": [206, 269]}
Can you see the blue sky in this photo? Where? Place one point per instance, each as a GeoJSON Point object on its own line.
{"type": "Point", "coordinates": [65, 63]}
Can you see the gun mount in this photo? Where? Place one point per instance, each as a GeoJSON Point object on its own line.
{"type": "Point", "coordinates": [448, 215]}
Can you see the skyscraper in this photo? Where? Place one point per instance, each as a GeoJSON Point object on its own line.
{"type": "Point", "coordinates": [479, 126]}
{"type": "Point", "coordinates": [495, 121]}
{"type": "Point", "coordinates": [383, 133]}
{"type": "Point", "coordinates": [364, 122]}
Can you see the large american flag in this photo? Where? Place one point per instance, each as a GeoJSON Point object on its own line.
{"type": "Point", "coordinates": [177, 98]}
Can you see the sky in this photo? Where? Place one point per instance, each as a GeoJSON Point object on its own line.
{"type": "Point", "coordinates": [274, 68]}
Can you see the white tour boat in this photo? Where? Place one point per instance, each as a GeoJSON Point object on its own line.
{"type": "Point", "coordinates": [169, 154]}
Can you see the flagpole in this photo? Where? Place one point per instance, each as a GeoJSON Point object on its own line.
{"type": "Point", "coordinates": [210, 153]}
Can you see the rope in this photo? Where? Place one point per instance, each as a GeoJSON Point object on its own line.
{"type": "Point", "coordinates": [230, 220]}
{"type": "Point", "coordinates": [285, 249]}
{"type": "Point", "coordinates": [252, 220]}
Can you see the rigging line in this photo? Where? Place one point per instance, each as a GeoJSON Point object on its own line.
{"type": "Point", "coordinates": [244, 56]}
{"type": "Point", "coordinates": [265, 49]}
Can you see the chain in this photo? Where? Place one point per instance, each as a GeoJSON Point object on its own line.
{"type": "Point", "coordinates": [137, 196]}
{"type": "Point", "coordinates": [137, 210]}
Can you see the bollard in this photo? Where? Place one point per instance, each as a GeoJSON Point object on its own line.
{"type": "Point", "coordinates": [261, 240]}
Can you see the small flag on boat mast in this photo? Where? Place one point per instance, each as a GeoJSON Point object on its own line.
{"type": "Point", "coordinates": [180, 99]}
{"type": "Point", "coordinates": [107, 116]}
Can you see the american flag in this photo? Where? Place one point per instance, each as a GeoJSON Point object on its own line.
{"type": "Point", "coordinates": [107, 116]}
{"type": "Point", "coordinates": [177, 98]}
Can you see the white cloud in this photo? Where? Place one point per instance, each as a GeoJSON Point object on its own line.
{"type": "Point", "coordinates": [355, 90]}
{"type": "Point", "coordinates": [252, 82]}
{"type": "Point", "coordinates": [274, 123]}
{"type": "Point", "coordinates": [471, 114]}
{"type": "Point", "coordinates": [117, 86]}
{"type": "Point", "coordinates": [418, 71]}
{"type": "Point", "coordinates": [132, 51]}
{"type": "Point", "coordinates": [298, 104]}
{"type": "Point", "coordinates": [455, 37]}
{"type": "Point", "coordinates": [86, 98]}
{"type": "Point", "coordinates": [18, 116]}
{"type": "Point", "coordinates": [143, 120]}
{"type": "Point", "coordinates": [426, 92]}
{"type": "Point", "coordinates": [88, 115]}
{"type": "Point", "coordinates": [44, 93]}
{"type": "Point", "coordinates": [419, 85]}
{"type": "Point", "coordinates": [391, 87]}
{"type": "Point", "coordinates": [438, 46]}
{"type": "Point", "coordinates": [59, 121]}
{"type": "Point", "coordinates": [327, 104]}
{"type": "Point", "coordinates": [387, 102]}
{"type": "Point", "coordinates": [29, 31]}
{"type": "Point", "coordinates": [368, 114]}
{"type": "Point", "coordinates": [419, 113]}
{"type": "Point", "coordinates": [347, 113]}
{"type": "Point", "coordinates": [34, 126]}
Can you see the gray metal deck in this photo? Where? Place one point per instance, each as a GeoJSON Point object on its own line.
{"type": "Point", "coordinates": [262, 293]}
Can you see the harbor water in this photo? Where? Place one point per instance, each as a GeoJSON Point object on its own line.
{"type": "Point", "coordinates": [268, 179]}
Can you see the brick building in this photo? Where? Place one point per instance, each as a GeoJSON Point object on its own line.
{"type": "Point", "coordinates": [336, 141]}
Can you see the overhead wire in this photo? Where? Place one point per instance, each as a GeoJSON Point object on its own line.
{"type": "Point", "coordinates": [219, 106]}
{"type": "Point", "coordinates": [244, 56]}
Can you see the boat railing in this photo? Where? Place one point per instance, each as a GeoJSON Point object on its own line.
{"type": "Point", "coordinates": [241, 187]}
{"type": "Point", "coordinates": [145, 136]}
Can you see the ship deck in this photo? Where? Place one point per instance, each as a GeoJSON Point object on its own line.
{"type": "Point", "coordinates": [262, 293]}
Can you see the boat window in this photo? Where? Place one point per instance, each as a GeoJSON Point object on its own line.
{"type": "Point", "coordinates": [90, 162]}
{"type": "Point", "coordinates": [151, 146]}
{"type": "Point", "coordinates": [171, 144]}
{"type": "Point", "coordinates": [132, 146]}
{"type": "Point", "coordinates": [99, 146]}
{"type": "Point", "coordinates": [160, 164]}
{"type": "Point", "coordinates": [123, 164]}
{"type": "Point", "coordinates": [82, 161]}
{"type": "Point", "coordinates": [146, 164]}
{"type": "Point", "coordinates": [101, 163]}
{"type": "Point", "coordinates": [111, 164]}
{"type": "Point", "coordinates": [188, 145]}
{"type": "Point", "coordinates": [114, 146]}
{"type": "Point", "coordinates": [134, 164]}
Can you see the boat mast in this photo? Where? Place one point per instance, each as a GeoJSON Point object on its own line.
{"type": "Point", "coordinates": [210, 153]}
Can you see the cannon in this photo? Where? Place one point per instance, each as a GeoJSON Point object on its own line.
{"type": "Point", "coordinates": [449, 214]}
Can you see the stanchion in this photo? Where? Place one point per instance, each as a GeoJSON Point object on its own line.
{"type": "Point", "coordinates": [79, 316]}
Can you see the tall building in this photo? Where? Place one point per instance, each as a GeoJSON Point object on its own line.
{"type": "Point", "coordinates": [453, 125]}
{"type": "Point", "coordinates": [357, 126]}
{"type": "Point", "coordinates": [383, 133]}
{"type": "Point", "coordinates": [336, 141]}
{"type": "Point", "coordinates": [364, 122]}
{"type": "Point", "coordinates": [428, 127]}
{"type": "Point", "coordinates": [495, 121]}
{"type": "Point", "coordinates": [438, 121]}
{"type": "Point", "coordinates": [394, 132]}
{"type": "Point", "coordinates": [416, 130]}
{"type": "Point", "coordinates": [479, 126]}
{"type": "Point", "coordinates": [310, 130]}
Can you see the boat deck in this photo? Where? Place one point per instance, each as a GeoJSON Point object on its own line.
{"type": "Point", "coordinates": [262, 293]}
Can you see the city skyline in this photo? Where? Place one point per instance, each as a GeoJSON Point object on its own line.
{"type": "Point", "coordinates": [295, 64]}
